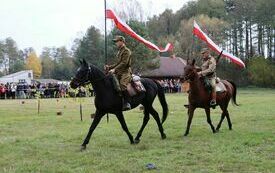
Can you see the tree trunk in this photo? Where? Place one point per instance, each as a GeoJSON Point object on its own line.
{"type": "Point", "coordinates": [262, 42]}
{"type": "Point", "coordinates": [251, 40]}
{"type": "Point", "coordinates": [240, 39]}
{"type": "Point", "coordinates": [259, 39]}
{"type": "Point", "coordinates": [235, 40]}
{"type": "Point", "coordinates": [269, 36]}
{"type": "Point", "coordinates": [273, 45]}
{"type": "Point", "coordinates": [246, 40]}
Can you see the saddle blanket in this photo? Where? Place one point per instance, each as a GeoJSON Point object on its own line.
{"type": "Point", "coordinates": [135, 86]}
{"type": "Point", "coordinates": [220, 87]}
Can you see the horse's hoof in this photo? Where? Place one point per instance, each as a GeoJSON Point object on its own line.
{"type": "Point", "coordinates": [217, 130]}
{"type": "Point", "coordinates": [163, 136]}
{"type": "Point", "coordinates": [185, 134]}
{"type": "Point", "coordinates": [136, 141]}
{"type": "Point", "coordinates": [83, 148]}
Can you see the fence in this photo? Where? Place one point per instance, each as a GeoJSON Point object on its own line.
{"type": "Point", "coordinates": [45, 107]}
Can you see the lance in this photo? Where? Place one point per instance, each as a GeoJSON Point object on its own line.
{"type": "Point", "coordinates": [105, 35]}
{"type": "Point", "coordinates": [219, 57]}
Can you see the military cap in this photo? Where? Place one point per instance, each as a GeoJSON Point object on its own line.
{"type": "Point", "coordinates": [204, 50]}
{"type": "Point", "coordinates": [119, 38]}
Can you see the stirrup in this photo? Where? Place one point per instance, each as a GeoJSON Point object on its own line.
{"type": "Point", "coordinates": [186, 106]}
{"type": "Point", "coordinates": [126, 107]}
{"type": "Point", "coordinates": [213, 104]}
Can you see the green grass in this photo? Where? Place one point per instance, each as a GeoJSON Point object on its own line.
{"type": "Point", "coordinates": [49, 143]}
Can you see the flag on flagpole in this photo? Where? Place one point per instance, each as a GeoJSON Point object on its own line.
{"type": "Point", "coordinates": [126, 29]}
{"type": "Point", "coordinates": [201, 35]}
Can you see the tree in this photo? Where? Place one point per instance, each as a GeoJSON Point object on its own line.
{"type": "Point", "coordinates": [162, 25]}
{"type": "Point", "coordinates": [47, 63]}
{"type": "Point", "coordinates": [129, 10]}
{"type": "Point", "coordinates": [57, 63]}
{"type": "Point", "coordinates": [64, 64]}
{"type": "Point", "coordinates": [262, 72]}
{"type": "Point", "coordinates": [188, 45]}
{"type": "Point", "coordinates": [91, 47]}
{"type": "Point", "coordinates": [9, 55]}
{"type": "Point", "coordinates": [212, 8]}
{"type": "Point", "coordinates": [33, 63]}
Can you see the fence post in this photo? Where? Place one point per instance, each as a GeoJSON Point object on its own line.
{"type": "Point", "coordinates": [80, 109]}
{"type": "Point", "coordinates": [38, 106]}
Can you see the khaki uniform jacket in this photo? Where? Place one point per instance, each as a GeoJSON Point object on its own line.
{"type": "Point", "coordinates": [122, 68]}
{"type": "Point", "coordinates": [209, 68]}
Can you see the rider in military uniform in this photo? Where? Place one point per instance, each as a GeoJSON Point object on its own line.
{"type": "Point", "coordinates": [122, 69]}
{"type": "Point", "coordinates": [208, 70]}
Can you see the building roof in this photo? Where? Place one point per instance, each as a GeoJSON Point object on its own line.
{"type": "Point", "coordinates": [169, 67]}
{"type": "Point", "coordinates": [17, 74]}
{"type": "Point", "coordinates": [47, 80]}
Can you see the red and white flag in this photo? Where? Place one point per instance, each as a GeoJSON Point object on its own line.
{"type": "Point", "coordinates": [200, 34]}
{"type": "Point", "coordinates": [126, 29]}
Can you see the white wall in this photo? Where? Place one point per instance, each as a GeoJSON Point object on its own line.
{"type": "Point", "coordinates": [26, 75]}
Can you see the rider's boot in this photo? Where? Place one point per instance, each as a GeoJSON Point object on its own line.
{"type": "Point", "coordinates": [126, 105]}
{"type": "Point", "coordinates": [213, 102]}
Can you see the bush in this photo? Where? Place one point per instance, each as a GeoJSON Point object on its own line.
{"type": "Point", "coordinates": [261, 72]}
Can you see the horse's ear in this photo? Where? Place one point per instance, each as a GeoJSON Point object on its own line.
{"type": "Point", "coordinates": [187, 61]}
{"type": "Point", "coordinates": [85, 63]}
{"type": "Point", "coordinates": [80, 62]}
{"type": "Point", "coordinates": [193, 62]}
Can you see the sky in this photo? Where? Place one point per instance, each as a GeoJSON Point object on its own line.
{"type": "Point", "coordinates": [56, 23]}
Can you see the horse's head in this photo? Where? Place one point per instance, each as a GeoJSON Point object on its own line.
{"type": "Point", "coordinates": [190, 70]}
{"type": "Point", "coordinates": [82, 75]}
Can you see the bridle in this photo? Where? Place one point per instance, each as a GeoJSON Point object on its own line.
{"type": "Point", "coordinates": [87, 78]}
{"type": "Point", "coordinates": [189, 76]}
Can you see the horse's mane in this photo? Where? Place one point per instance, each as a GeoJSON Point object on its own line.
{"type": "Point", "coordinates": [97, 71]}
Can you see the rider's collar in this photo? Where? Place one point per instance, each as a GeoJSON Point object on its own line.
{"type": "Point", "coordinates": [122, 47]}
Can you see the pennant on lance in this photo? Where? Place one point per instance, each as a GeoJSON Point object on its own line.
{"type": "Point", "coordinates": [201, 35]}
{"type": "Point", "coordinates": [126, 29]}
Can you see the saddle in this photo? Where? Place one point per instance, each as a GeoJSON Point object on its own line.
{"type": "Point", "coordinates": [220, 87]}
{"type": "Point", "coordinates": [134, 87]}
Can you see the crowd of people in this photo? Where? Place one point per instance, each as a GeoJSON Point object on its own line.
{"type": "Point", "coordinates": [40, 90]}
{"type": "Point", "coordinates": [62, 90]}
{"type": "Point", "coordinates": [171, 85]}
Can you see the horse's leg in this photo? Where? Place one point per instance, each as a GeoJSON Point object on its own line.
{"type": "Point", "coordinates": [221, 120]}
{"type": "Point", "coordinates": [97, 118]}
{"type": "Point", "coordinates": [228, 120]}
{"type": "Point", "coordinates": [155, 115]}
{"type": "Point", "coordinates": [191, 110]}
{"type": "Point", "coordinates": [224, 114]}
{"type": "Point", "coordinates": [123, 124]}
{"type": "Point", "coordinates": [207, 111]}
{"type": "Point", "coordinates": [145, 121]}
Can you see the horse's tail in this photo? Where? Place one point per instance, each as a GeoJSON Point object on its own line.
{"type": "Point", "coordinates": [163, 102]}
{"type": "Point", "coordinates": [234, 93]}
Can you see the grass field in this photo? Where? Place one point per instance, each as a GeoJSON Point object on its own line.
{"type": "Point", "coordinates": [49, 143]}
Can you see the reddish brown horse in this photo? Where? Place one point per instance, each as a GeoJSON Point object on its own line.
{"type": "Point", "coordinates": [199, 97]}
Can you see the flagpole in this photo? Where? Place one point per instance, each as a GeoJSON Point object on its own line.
{"type": "Point", "coordinates": [105, 52]}
{"type": "Point", "coordinates": [105, 35]}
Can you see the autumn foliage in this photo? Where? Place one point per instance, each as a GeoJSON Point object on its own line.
{"type": "Point", "coordinates": [33, 63]}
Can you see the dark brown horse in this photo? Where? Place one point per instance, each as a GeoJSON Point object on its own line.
{"type": "Point", "coordinates": [199, 97]}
